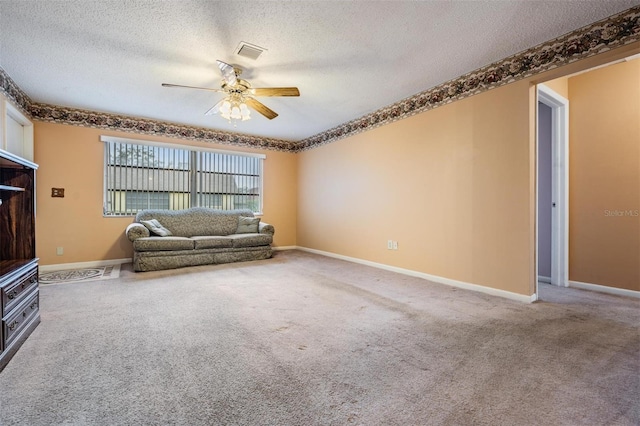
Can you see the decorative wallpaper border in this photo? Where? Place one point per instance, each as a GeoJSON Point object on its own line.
{"type": "Point", "coordinates": [609, 33]}
{"type": "Point", "coordinates": [615, 31]}
{"type": "Point", "coordinates": [99, 120]}
{"type": "Point", "coordinates": [10, 89]}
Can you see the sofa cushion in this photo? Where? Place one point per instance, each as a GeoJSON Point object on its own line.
{"type": "Point", "coordinates": [251, 240]}
{"type": "Point", "coordinates": [163, 243]}
{"type": "Point", "coordinates": [156, 227]}
{"type": "Point", "coordinates": [212, 242]}
{"type": "Point", "coordinates": [247, 225]}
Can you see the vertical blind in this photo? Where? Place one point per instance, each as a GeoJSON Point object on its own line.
{"type": "Point", "coordinates": [153, 176]}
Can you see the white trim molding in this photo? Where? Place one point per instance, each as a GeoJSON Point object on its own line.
{"type": "Point", "coordinates": [283, 248]}
{"type": "Point", "coordinates": [434, 278]}
{"type": "Point", "coordinates": [605, 289]}
{"type": "Point", "coordinates": [79, 265]}
{"type": "Point", "coordinates": [560, 184]}
{"type": "Point", "coordinates": [25, 148]}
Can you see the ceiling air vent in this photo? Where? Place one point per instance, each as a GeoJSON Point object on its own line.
{"type": "Point", "coordinates": [250, 51]}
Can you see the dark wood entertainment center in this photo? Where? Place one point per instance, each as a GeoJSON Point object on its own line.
{"type": "Point", "coordinates": [19, 293]}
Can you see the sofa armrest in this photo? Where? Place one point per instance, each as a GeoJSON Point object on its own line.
{"type": "Point", "coordinates": [265, 228]}
{"type": "Point", "coordinates": [136, 230]}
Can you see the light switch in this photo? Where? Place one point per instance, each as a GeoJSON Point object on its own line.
{"type": "Point", "coordinates": [57, 192]}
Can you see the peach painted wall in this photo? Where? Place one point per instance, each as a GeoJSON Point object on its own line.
{"type": "Point", "coordinates": [560, 86]}
{"type": "Point", "coordinates": [451, 185]}
{"type": "Point", "coordinates": [604, 169]}
{"type": "Point", "coordinates": [71, 157]}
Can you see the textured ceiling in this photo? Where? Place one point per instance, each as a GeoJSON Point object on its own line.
{"type": "Point", "coordinates": [348, 58]}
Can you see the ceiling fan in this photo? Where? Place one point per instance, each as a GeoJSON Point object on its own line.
{"type": "Point", "coordinates": [240, 95]}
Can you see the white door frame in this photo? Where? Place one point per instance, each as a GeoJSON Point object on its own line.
{"type": "Point", "coordinates": [559, 185]}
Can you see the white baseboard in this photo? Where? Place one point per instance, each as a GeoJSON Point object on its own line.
{"type": "Point", "coordinates": [605, 289]}
{"type": "Point", "coordinates": [79, 265]}
{"type": "Point", "coordinates": [282, 248]}
{"type": "Point", "coordinates": [429, 277]}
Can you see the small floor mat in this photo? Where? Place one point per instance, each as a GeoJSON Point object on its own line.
{"type": "Point", "coordinates": [80, 275]}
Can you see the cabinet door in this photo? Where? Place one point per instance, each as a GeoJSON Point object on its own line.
{"type": "Point", "coordinates": [18, 134]}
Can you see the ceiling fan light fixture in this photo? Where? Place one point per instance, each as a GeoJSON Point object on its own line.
{"type": "Point", "coordinates": [225, 110]}
{"type": "Point", "coordinates": [232, 110]}
{"type": "Point", "coordinates": [245, 112]}
{"type": "Point", "coordinates": [240, 96]}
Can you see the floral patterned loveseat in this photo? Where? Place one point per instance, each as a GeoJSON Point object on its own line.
{"type": "Point", "coordinates": [167, 239]}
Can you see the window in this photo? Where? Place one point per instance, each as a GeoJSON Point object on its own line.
{"type": "Point", "coordinates": [135, 201]}
{"type": "Point", "coordinates": [146, 175]}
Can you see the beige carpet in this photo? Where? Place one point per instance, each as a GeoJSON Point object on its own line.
{"type": "Point", "coordinates": [305, 340]}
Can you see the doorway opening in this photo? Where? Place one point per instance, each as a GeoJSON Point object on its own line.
{"type": "Point", "coordinates": [552, 195]}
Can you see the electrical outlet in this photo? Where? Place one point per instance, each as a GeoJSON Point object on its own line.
{"type": "Point", "coordinates": [59, 251]}
{"type": "Point", "coordinates": [57, 192]}
{"type": "Point", "coordinates": [395, 245]}
{"type": "Point", "coordinates": [389, 245]}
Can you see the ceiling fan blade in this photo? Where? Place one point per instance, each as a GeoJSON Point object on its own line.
{"type": "Point", "coordinates": [228, 73]}
{"type": "Point", "coordinates": [276, 91]}
{"type": "Point", "coordinates": [214, 109]}
{"type": "Point", "coordinates": [190, 87]}
{"type": "Point", "coordinates": [261, 108]}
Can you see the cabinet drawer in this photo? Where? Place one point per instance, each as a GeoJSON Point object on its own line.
{"type": "Point", "coordinates": [14, 323]}
{"type": "Point", "coordinates": [13, 294]}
